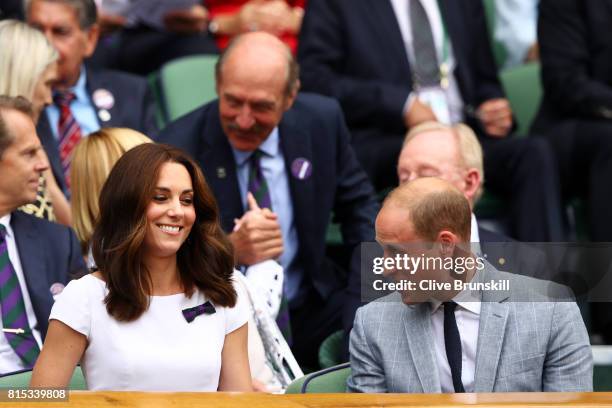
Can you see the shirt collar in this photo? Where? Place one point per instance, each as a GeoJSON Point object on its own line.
{"type": "Point", "coordinates": [467, 299]}
{"type": "Point", "coordinates": [6, 221]}
{"type": "Point", "coordinates": [269, 147]}
{"type": "Point", "coordinates": [474, 235]}
{"type": "Point", "coordinates": [79, 89]}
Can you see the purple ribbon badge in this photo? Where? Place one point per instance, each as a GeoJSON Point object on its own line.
{"type": "Point", "coordinates": [193, 312]}
{"type": "Point", "coordinates": [301, 168]}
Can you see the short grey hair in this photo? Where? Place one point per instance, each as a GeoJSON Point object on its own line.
{"type": "Point", "coordinates": [86, 10]}
{"type": "Point", "coordinates": [17, 103]}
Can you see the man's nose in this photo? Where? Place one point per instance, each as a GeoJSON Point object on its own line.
{"type": "Point", "coordinates": [245, 119]}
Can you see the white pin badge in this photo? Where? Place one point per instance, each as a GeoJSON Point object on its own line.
{"type": "Point", "coordinates": [104, 115]}
{"type": "Point", "coordinates": [56, 289]}
{"type": "Point", "coordinates": [301, 168]}
{"type": "Point", "coordinates": [221, 172]}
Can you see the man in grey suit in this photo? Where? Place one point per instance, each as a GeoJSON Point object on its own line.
{"type": "Point", "coordinates": [518, 337]}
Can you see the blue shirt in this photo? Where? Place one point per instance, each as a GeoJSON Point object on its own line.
{"type": "Point", "coordinates": [274, 171]}
{"type": "Point", "coordinates": [82, 109]}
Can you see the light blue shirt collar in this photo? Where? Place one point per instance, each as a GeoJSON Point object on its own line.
{"type": "Point", "coordinates": [269, 147]}
{"type": "Point", "coordinates": [79, 89]}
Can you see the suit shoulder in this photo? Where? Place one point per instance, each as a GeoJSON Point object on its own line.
{"type": "Point", "coordinates": [116, 78]}
{"type": "Point", "coordinates": [388, 306]}
{"type": "Point", "coordinates": [316, 104]}
{"type": "Point", "coordinates": [41, 225]}
{"type": "Point", "coordinates": [528, 289]}
{"type": "Point", "coordinates": [188, 124]}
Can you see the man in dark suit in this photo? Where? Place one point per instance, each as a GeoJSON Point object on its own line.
{"type": "Point", "coordinates": [37, 257]}
{"type": "Point", "coordinates": [91, 98]}
{"type": "Point", "coordinates": [576, 117]}
{"type": "Point", "coordinates": [393, 64]}
{"type": "Point", "coordinates": [454, 154]}
{"type": "Point", "coordinates": [11, 9]}
{"type": "Point", "coordinates": [300, 144]}
{"type": "Point", "coordinates": [576, 112]}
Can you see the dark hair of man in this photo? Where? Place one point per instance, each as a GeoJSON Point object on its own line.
{"type": "Point", "coordinates": [293, 68]}
{"type": "Point", "coordinates": [18, 103]}
{"type": "Point", "coordinates": [443, 210]}
{"type": "Point", "coordinates": [433, 209]}
{"type": "Point", "coordinates": [205, 260]}
{"type": "Point", "coordinates": [86, 10]}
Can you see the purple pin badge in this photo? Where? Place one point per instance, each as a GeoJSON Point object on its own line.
{"type": "Point", "coordinates": [301, 168]}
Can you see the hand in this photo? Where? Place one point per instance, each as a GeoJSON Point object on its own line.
{"type": "Point", "coordinates": [418, 113]}
{"type": "Point", "coordinates": [496, 117]}
{"type": "Point", "coordinates": [533, 54]}
{"type": "Point", "coordinates": [274, 16]}
{"type": "Point", "coordinates": [188, 21]}
{"type": "Point", "coordinates": [257, 236]}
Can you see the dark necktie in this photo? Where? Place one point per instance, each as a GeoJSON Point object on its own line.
{"type": "Point", "coordinates": [426, 69]}
{"type": "Point", "coordinates": [257, 182]}
{"type": "Point", "coordinates": [452, 343]}
{"type": "Point", "coordinates": [68, 130]}
{"type": "Point", "coordinates": [13, 308]}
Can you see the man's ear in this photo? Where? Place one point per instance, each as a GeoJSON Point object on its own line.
{"type": "Point", "coordinates": [473, 182]}
{"type": "Point", "coordinates": [92, 34]}
{"type": "Point", "coordinates": [446, 240]}
{"type": "Point", "coordinates": [292, 95]}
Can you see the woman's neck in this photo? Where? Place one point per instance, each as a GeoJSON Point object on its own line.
{"type": "Point", "coordinates": [164, 276]}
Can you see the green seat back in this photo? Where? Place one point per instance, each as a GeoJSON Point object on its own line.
{"type": "Point", "coordinates": [187, 83]}
{"type": "Point", "coordinates": [330, 351]}
{"type": "Point", "coordinates": [329, 380]}
{"type": "Point", "coordinates": [524, 91]}
{"type": "Point", "coordinates": [22, 380]}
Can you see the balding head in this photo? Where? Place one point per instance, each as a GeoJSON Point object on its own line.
{"type": "Point", "coordinates": [256, 87]}
{"type": "Point", "coordinates": [264, 52]}
{"type": "Point", "coordinates": [452, 153]}
{"type": "Point", "coordinates": [430, 206]}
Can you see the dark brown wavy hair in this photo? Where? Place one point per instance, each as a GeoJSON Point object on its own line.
{"type": "Point", "coordinates": [205, 260]}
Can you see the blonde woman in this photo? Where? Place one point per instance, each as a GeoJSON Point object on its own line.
{"type": "Point", "coordinates": [94, 157]}
{"type": "Point", "coordinates": [28, 67]}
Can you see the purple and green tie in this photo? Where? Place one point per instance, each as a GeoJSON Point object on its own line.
{"type": "Point", "coordinates": [13, 308]}
{"type": "Point", "coordinates": [258, 186]}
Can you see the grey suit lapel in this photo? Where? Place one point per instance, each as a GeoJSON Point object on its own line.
{"type": "Point", "coordinates": [491, 332]}
{"type": "Point", "coordinates": [417, 328]}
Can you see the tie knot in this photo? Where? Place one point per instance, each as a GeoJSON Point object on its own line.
{"type": "Point", "coordinates": [257, 155]}
{"type": "Point", "coordinates": [63, 98]}
{"type": "Point", "coordinates": [449, 307]}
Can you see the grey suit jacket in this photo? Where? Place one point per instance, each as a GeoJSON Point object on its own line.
{"type": "Point", "coordinates": [527, 341]}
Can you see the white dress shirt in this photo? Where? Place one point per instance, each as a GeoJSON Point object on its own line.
{"type": "Point", "coordinates": [467, 315]}
{"type": "Point", "coordinates": [9, 360]}
{"type": "Point", "coordinates": [453, 95]}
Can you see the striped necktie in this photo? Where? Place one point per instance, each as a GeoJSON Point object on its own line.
{"type": "Point", "coordinates": [68, 130]}
{"type": "Point", "coordinates": [258, 186]}
{"type": "Point", "coordinates": [13, 308]}
{"type": "Point", "coordinates": [257, 182]}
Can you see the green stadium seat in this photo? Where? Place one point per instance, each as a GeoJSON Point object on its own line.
{"type": "Point", "coordinates": [187, 83]}
{"type": "Point", "coordinates": [524, 91]}
{"type": "Point", "coordinates": [329, 380]}
{"type": "Point", "coordinates": [330, 351]}
{"type": "Point", "coordinates": [21, 379]}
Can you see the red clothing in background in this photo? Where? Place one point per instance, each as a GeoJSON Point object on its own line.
{"type": "Point", "coordinates": [217, 7]}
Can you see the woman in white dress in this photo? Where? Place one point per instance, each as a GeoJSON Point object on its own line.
{"type": "Point", "coordinates": [162, 313]}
